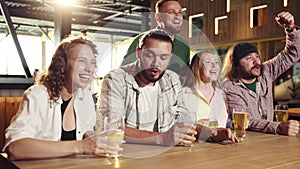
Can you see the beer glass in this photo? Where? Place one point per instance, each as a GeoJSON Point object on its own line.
{"type": "Point", "coordinates": [213, 123]}
{"type": "Point", "coordinates": [240, 121]}
{"type": "Point", "coordinates": [114, 122]}
{"type": "Point", "coordinates": [209, 122]}
{"type": "Point", "coordinates": [281, 113]}
{"type": "Point", "coordinates": [188, 117]}
{"type": "Point", "coordinates": [204, 122]}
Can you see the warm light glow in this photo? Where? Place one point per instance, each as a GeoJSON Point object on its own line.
{"type": "Point", "coordinates": [251, 13]}
{"type": "Point", "coordinates": [285, 3]}
{"type": "Point", "coordinates": [227, 6]}
{"type": "Point", "coordinates": [217, 23]}
{"type": "Point", "coordinates": [117, 162]}
{"type": "Point", "coordinates": [66, 2]}
{"type": "Point", "coordinates": [4, 155]}
{"type": "Point", "coordinates": [191, 23]}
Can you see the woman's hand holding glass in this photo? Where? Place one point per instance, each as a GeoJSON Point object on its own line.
{"type": "Point", "coordinates": [96, 142]}
{"type": "Point", "coordinates": [114, 122]}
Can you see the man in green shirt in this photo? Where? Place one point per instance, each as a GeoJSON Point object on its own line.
{"type": "Point", "coordinates": [169, 18]}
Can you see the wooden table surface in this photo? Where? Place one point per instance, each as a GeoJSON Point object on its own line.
{"type": "Point", "coordinates": [294, 111]}
{"type": "Point", "coordinates": [258, 150]}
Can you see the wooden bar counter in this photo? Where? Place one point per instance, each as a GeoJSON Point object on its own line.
{"type": "Point", "coordinates": [258, 150]}
{"type": "Point", "coordinates": [294, 112]}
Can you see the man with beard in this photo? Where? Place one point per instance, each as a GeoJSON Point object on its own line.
{"type": "Point", "coordinates": [149, 97]}
{"type": "Point", "coordinates": [249, 83]}
{"type": "Point", "coordinates": [169, 18]}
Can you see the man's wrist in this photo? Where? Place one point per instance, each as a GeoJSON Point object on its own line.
{"type": "Point", "coordinates": [291, 29]}
{"type": "Point", "coordinates": [278, 129]}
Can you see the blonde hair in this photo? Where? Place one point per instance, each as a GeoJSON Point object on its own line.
{"type": "Point", "coordinates": [228, 70]}
{"type": "Point", "coordinates": [195, 67]}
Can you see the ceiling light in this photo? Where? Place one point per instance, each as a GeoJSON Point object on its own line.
{"type": "Point", "coordinates": [66, 2]}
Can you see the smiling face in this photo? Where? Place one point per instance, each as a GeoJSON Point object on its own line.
{"type": "Point", "coordinates": [154, 59]}
{"type": "Point", "coordinates": [249, 67]}
{"type": "Point", "coordinates": [81, 66]}
{"type": "Point", "coordinates": [170, 17]}
{"type": "Point", "coordinates": [209, 67]}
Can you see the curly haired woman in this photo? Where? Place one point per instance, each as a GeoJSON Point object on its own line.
{"type": "Point", "coordinates": [57, 113]}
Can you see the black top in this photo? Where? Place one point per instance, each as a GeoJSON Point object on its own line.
{"type": "Point", "coordinates": [7, 164]}
{"type": "Point", "coordinates": [66, 135]}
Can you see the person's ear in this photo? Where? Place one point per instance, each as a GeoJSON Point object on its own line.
{"type": "Point", "coordinates": [138, 52]}
{"type": "Point", "coordinates": [158, 18]}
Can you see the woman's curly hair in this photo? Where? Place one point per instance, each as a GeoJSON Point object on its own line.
{"type": "Point", "coordinates": [54, 78]}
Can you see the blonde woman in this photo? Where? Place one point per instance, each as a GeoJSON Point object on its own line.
{"type": "Point", "coordinates": [202, 93]}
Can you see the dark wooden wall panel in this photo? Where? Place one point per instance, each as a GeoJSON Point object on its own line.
{"type": "Point", "coordinates": [2, 121]}
{"type": "Point", "coordinates": [12, 106]}
{"type": "Point", "coordinates": [8, 108]}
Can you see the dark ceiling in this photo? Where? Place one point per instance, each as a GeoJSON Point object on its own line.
{"type": "Point", "coordinates": [112, 17]}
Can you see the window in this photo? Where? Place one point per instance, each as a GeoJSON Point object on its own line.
{"type": "Point", "coordinates": [195, 25]}
{"type": "Point", "coordinates": [296, 72]}
{"type": "Point", "coordinates": [222, 27]}
{"type": "Point", "coordinates": [258, 16]}
{"type": "Point", "coordinates": [10, 62]}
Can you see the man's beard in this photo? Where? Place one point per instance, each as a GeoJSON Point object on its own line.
{"type": "Point", "coordinates": [248, 74]}
{"type": "Point", "coordinates": [149, 78]}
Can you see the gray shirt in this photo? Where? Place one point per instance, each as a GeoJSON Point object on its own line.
{"type": "Point", "coordinates": [120, 94]}
{"type": "Point", "coordinates": [261, 102]}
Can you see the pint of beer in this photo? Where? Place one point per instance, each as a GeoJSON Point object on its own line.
{"type": "Point", "coordinates": [281, 113]}
{"type": "Point", "coordinates": [240, 120]}
{"type": "Point", "coordinates": [188, 117]}
{"type": "Point", "coordinates": [114, 122]}
{"type": "Point", "coordinates": [119, 135]}
{"type": "Point", "coordinates": [213, 123]}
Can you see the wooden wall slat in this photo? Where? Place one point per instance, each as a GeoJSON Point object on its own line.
{"type": "Point", "coordinates": [8, 108]}
{"type": "Point", "coordinates": [2, 121]}
{"type": "Point", "coordinates": [12, 106]}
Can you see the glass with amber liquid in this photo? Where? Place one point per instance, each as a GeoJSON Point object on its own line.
{"type": "Point", "coordinates": [188, 117]}
{"type": "Point", "coordinates": [115, 122]}
{"type": "Point", "coordinates": [213, 123]}
{"type": "Point", "coordinates": [240, 122]}
{"type": "Point", "coordinates": [281, 113]}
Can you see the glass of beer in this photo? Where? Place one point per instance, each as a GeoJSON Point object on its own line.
{"type": "Point", "coordinates": [281, 113]}
{"type": "Point", "coordinates": [204, 122]}
{"type": "Point", "coordinates": [188, 117]}
{"type": "Point", "coordinates": [240, 121]}
{"type": "Point", "coordinates": [213, 123]}
{"type": "Point", "coordinates": [209, 122]}
{"type": "Point", "coordinates": [114, 122]}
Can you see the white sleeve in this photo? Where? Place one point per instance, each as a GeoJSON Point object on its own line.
{"type": "Point", "coordinates": [25, 124]}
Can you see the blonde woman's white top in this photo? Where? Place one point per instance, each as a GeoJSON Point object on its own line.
{"type": "Point", "coordinates": [216, 109]}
